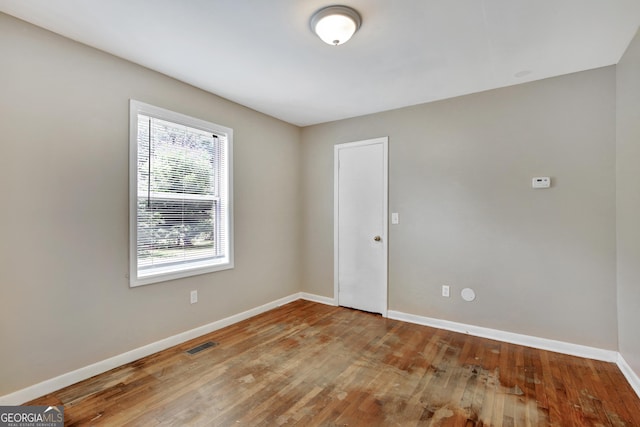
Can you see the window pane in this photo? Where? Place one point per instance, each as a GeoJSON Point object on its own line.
{"type": "Point", "coordinates": [175, 231]}
{"type": "Point", "coordinates": [174, 158]}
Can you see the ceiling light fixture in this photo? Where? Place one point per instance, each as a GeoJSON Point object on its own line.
{"type": "Point", "coordinates": [335, 24]}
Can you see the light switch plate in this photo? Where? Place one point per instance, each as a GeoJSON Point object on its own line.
{"type": "Point", "coordinates": [395, 218]}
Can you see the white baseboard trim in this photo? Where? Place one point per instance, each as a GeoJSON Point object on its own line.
{"type": "Point", "coordinates": [510, 337]}
{"type": "Point", "coordinates": [64, 380]}
{"type": "Point", "coordinates": [629, 374]}
{"type": "Point", "coordinates": [318, 298]}
{"type": "Point", "coordinates": [529, 341]}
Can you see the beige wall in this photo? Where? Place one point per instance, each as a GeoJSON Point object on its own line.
{"type": "Point", "coordinates": [542, 262]}
{"type": "Point", "coordinates": [628, 203]}
{"type": "Point", "coordinates": [64, 298]}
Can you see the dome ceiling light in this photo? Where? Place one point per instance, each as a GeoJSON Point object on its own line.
{"type": "Point", "coordinates": [335, 24]}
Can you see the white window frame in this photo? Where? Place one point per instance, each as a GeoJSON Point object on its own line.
{"type": "Point", "coordinates": [195, 268]}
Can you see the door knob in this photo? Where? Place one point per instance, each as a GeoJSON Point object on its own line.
{"type": "Point", "coordinates": [377, 238]}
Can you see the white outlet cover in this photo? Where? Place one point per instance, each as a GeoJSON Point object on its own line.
{"type": "Point", "coordinates": [541, 182]}
{"type": "Point", "coordinates": [468, 294]}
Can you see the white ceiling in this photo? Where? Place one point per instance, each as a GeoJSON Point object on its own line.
{"type": "Point", "coordinates": [261, 53]}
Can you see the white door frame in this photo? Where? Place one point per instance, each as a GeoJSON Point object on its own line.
{"type": "Point", "coordinates": [385, 232]}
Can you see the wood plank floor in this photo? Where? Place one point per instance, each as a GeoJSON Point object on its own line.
{"type": "Point", "coordinates": [308, 364]}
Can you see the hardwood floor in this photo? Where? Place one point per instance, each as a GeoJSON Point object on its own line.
{"type": "Point", "coordinates": [308, 364]}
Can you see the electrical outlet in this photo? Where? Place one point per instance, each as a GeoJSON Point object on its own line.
{"type": "Point", "coordinates": [194, 297]}
{"type": "Point", "coordinates": [445, 291]}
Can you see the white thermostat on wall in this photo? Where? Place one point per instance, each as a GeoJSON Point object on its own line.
{"type": "Point", "coordinates": [541, 182]}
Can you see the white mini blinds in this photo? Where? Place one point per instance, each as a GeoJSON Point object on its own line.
{"type": "Point", "coordinates": [181, 216]}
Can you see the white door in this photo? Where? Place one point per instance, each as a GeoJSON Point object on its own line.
{"type": "Point", "coordinates": [360, 210]}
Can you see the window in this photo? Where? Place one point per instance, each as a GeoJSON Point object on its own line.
{"type": "Point", "coordinates": [180, 178]}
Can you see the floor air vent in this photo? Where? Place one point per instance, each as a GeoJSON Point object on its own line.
{"type": "Point", "coordinates": [201, 347]}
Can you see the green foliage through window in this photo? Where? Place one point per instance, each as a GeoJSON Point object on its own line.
{"type": "Point", "coordinates": [177, 192]}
